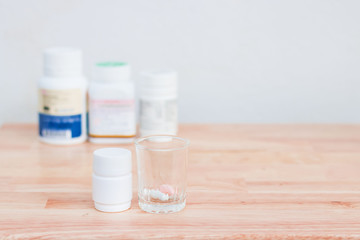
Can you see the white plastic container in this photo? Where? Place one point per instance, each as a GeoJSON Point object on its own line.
{"type": "Point", "coordinates": [112, 179]}
{"type": "Point", "coordinates": [112, 104]}
{"type": "Point", "coordinates": [62, 97]}
{"type": "Point", "coordinates": [158, 103]}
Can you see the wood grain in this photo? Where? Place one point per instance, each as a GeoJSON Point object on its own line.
{"type": "Point", "coordinates": [245, 182]}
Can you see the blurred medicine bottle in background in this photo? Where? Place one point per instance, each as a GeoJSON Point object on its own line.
{"type": "Point", "coordinates": [62, 97]}
{"type": "Point", "coordinates": [112, 104]}
{"type": "Point", "coordinates": [158, 103]}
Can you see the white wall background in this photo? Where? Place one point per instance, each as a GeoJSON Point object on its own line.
{"type": "Point", "coordinates": [238, 61]}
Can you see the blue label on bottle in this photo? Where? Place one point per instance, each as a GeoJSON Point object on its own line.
{"type": "Point", "coordinates": [60, 127]}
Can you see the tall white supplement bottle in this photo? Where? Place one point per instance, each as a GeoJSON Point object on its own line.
{"type": "Point", "coordinates": [112, 104]}
{"type": "Point", "coordinates": [62, 97]}
{"type": "Point", "coordinates": [158, 103]}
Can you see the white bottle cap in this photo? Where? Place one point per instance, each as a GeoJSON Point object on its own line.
{"type": "Point", "coordinates": [111, 72]}
{"type": "Point", "coordinates": [158, 84]}
{"type": "Point", "coordinates": [62, 62]}
{"type": "Point", "coordinates": [112, 179]}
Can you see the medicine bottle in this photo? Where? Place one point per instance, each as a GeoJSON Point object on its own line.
{"type": "Point", "coordinates": [158, 103]}
{"type": "Point", "coordinates": [111, 104]}
{"type": "Point", "coordinates": [112, 179]}
{"type": "Point", "coordinates": [62, 97]}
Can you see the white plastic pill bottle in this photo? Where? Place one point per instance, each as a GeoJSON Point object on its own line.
{"type": "Point", "coordinates": [112, 179]}
{"type": "Point", "coordinates": [62, 97]}
{"type": "Point", "coordinates": [112, 115]}
{"type": "Point", "coordinates": [158, 103]}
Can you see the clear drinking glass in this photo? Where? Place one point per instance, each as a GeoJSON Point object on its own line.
{"type": "Point", "coordinates": [162, 172]}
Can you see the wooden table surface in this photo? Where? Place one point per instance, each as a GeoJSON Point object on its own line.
{"type": "Point", "coordinates": [245, 181]}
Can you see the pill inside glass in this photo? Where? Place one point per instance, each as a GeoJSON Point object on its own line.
{"type": "Point", "coordinates": [162, 173]}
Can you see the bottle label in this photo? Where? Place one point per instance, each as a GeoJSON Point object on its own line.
{"type": "Point", "coordinates": [60, 113]}
{"type": "Point", "coordinates": [158, 116]}
{"type": "Point", "coordinates": [112, 118]}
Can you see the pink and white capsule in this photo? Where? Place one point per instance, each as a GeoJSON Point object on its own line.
{"type": "Point", "coordinates": [167, 189]}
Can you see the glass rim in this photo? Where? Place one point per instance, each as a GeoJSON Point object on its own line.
{"type": "Point", "coordinates": [138, 141]}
